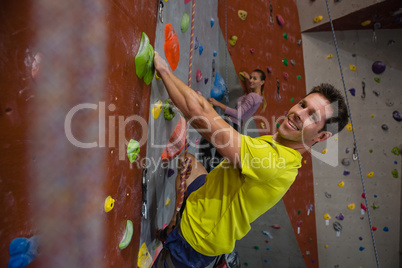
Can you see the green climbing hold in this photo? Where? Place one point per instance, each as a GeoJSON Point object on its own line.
{"type": "Point", "coordinates": [396, 151]}
{"type": "Point", "coordinates": [168, 112]}
{"type": "Point", "coordinates": [371, 151]}
{"type": "Point", "coordinates": [257, 247]}
{"type": "Point", "coordinates": [285, 61]}
{"type": "Point", "coordinates": [395, 173]}
{"type": "Point", "coordinates": [149, 75]}
{"type": "Point", "coordinates": [185, 22]}
{"type": "Point", "coordinates": [246, 264]}
{"type": "Point", "coordinates": [133, 148]}
{"type": "Point", "coordinates": [144, 60]}
{"type": "Point", "coordinates": [298, 213]}
{"type": "Point", "coordinates": [299, 77]}
{"type": "Point", "coordinates": [285, 35]}
{"type": "Point", "coordinates": [292, 99]}
{"type": "Point", "coordinates": [277, 125]}
{"type": "Point", "coordinates": [128, 234]}
{"type": "Point", "coordinates": [377, 79]}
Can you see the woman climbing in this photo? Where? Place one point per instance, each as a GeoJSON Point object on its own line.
{"type": "Point", "coordinates": [247, 104]}
{"type": "Point", "coordinates": [245, 108]}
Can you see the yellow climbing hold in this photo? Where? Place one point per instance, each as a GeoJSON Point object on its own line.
{"type": "Point", "coordinates": [305, 161]}
{"type": "Point", "coordinates": [242, 14]}
{"type": "Point", "coordinates": [262, 125]}
{"type": "Point", "coordinates": [242, 76]}
{"type": "Point", "coordinates": [324, 151]}
{"type": "Point", "coordinates": [349, 127]}
{"type": "Point", "coordinates": [144, 258]}
{"type": "Point", "coordinates": [167, 202]}
{"type": "Point", "coordinates": [109, 203]}
{"type": "Point", "coordinates": [372, 115]}
{"type": "Point", "coordinates": [366, 22]}
{"type": "Point", "coordinates": [336, 139]}
{"type": "Point", "coordinates": [352, 67]}
{"type": "Point", "coordinates": [233, 40]}
{"type": "Point", "coordinates": [156, 110]}
{"type": "Point", "coordinates": [318, 19]}
{"type": "Point", "coordinates": [351, 206]}
{"type": "Point", "coordinates": [326, 246]}
{"type": "Point", "coordinates": [371, 174]}
{"type": "Point", "coordinates": [327, 216]}
{"type": "Point", "coordinates": [330, 56]}
{"type": "Point", "coordinates": [341, 184]}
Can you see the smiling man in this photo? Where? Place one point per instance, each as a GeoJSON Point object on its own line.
{"type": "Point", "coordinates": [254, 176]}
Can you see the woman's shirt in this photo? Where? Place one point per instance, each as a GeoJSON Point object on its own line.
{"type": "Point", "coordinates": [246, 106]}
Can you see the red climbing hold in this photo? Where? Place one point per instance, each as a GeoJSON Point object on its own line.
{"type": "Point", "coordinates": [276, 226]}
{"type": "Point", "coordinates": [172, 46]}
{"type": "Point", "coordinates": [176, 141]}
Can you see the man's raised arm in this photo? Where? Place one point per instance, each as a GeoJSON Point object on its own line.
{"type": "Point", "coordinates": [200, 113]}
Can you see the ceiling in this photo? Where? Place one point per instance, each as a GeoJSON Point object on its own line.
{"type": "Point", "coordinates": [384, 15]}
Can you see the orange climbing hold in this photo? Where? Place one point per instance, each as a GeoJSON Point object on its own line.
{"type": "Point", "coordinates": [172, 47]}
{"type": "Point", "coordinates": [176, 141]}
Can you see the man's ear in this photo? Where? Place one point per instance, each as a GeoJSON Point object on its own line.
{"type": "Point", "coordinates": [322, 136]}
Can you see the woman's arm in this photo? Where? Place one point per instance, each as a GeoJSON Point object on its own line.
{"type": "Point", "coordinates": [246, 109]}
{"type": "Point", "coordinates": [217, 103]}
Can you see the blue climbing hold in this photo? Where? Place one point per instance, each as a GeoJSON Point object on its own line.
{"type": "Point", "coordinates": [352, 91]}
{"type": "Point", "coordinates": [23, 251]}
{"type": "Point", "coordinates": [218, 90]}
{"type": "Point", "coordinates": [361, 248]}
{"type": "Point", "coordinates": [346, 173]}
{"type": "Point", "coordinates": [386, 229]}
{"type": "Point", "coordinates": [215, 54]}
{"type": "Point", "coordinates": [212, 22]}
{"type": "Point", "coordinates": [200, 49]}
{"type": "Point", "coordinates": [170, 172]}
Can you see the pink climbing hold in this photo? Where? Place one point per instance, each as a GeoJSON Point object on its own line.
{"type": "Point", "coordinates": [252, 50]}
{"type": "Point", "coordinates": [269, 70]}
{"type": "Point", "coordinates": [186, 1]}
{"type": "Point", "coordinates": [285, 75]}
{"type": "Point", "coordinates": [280, 20]}
{"type": "Point", "coordinates": [199, 75]}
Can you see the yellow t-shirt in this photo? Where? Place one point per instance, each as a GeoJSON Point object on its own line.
{"type": "Point", "coordinates": [220, 212]}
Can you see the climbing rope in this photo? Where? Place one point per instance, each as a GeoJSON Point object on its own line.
{"type": "Point", "coordinates": [354, 138]}
{"type": "Point", "coordinates": [186, 164]}
{"type": "Point", "coordinates": [226, 57]}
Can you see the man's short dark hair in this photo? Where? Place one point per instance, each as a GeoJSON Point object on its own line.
{"type": "Point", "coordinates": [340, 115]}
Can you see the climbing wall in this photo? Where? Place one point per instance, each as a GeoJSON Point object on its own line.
{"type": "Point", "coordinates": [70, 101]}
{"type": "Point", "coordinates": [373, 98]}
{"type": "Point", "coordinates": [160, 177]}
{"type": "Point", "coordinates": [274, 47]}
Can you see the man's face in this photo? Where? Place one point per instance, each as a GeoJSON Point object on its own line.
{"type": "Point", "coordinates": [305, 119]}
